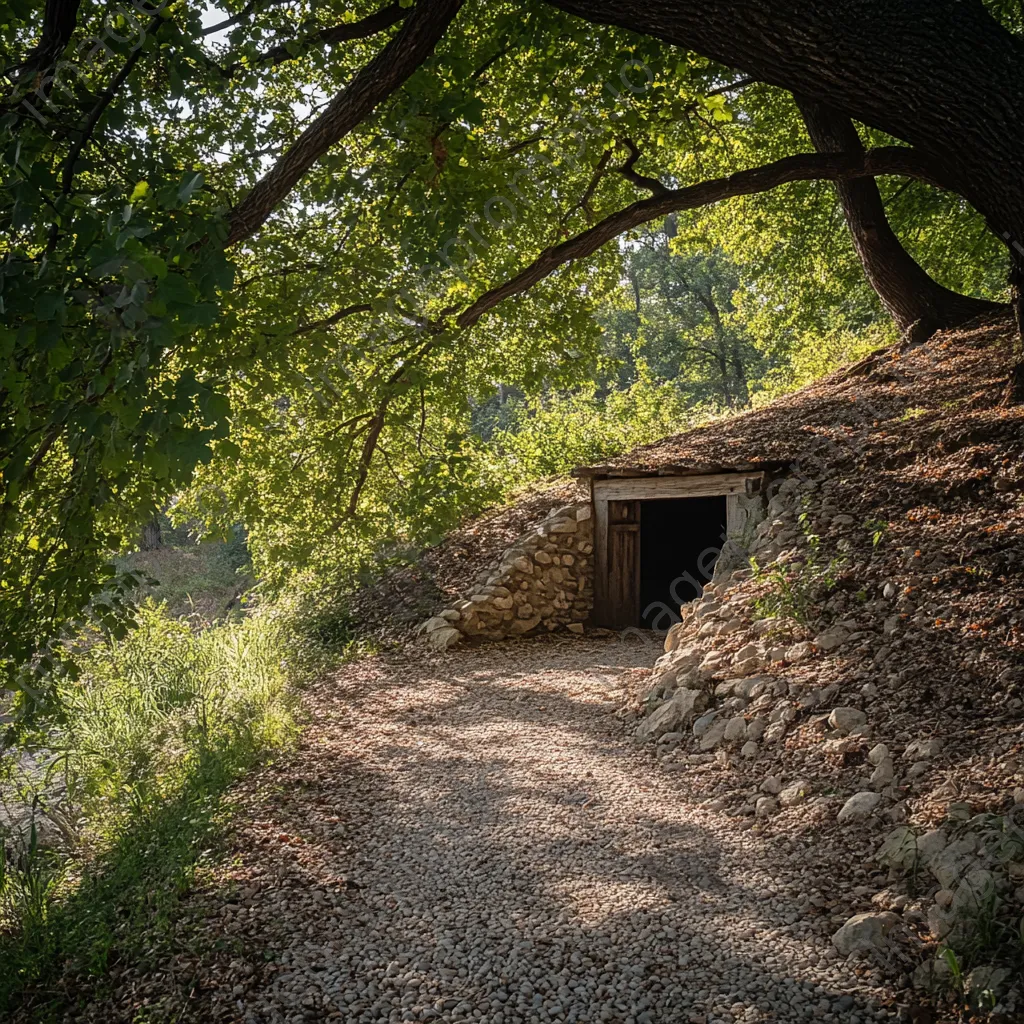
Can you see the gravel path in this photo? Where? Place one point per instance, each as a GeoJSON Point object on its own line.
{"type": "Point", "coordinates": [476, 838]}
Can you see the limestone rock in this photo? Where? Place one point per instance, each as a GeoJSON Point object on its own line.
{"type": "Point", "coordinates": [975, 892]}
{"type": "Point", "coordinates": [795, 793]}
{"type": "Point", "coordinates": [749, 749]}
{"type": "Point", "coordinates": [756, 728]}
{"type": "Point", "coordinates": [922, 750]}
{"type": "Point", "coordinates": [899, 850]}
{"type": "Point", "coordinates": [771, 785]}
{"type": "Point", "coordinates": [799, 652]}
{"type": "Point", "coordinates": [674, 715]}
{"type": "Point", "coordinates": [930, 845]}
{"type": "Point", "coordinates": [713, 736]}
{"type": "Point", "coordinates": [702, 724]}
{"type": "Point", "coordinates": [953, 862]}
{"type": "Point", "coordinates": [878, 753]}
{"type": "Point", "coordinates": [830, 639]}
{"type": "Point", "coordinates": [859, 806]}
{"type": "Point", "coordinates": [867, 932]}
{"type": "Point", "coordinates": [933, 976]}
{"type": "Point", "coordinates": [985, 983]}
{"type": "Point", "coordinates": [735, 729]}
{"type": "Point", "coordinates": [883, 774]}
{"type": "Point", "coordinates": [443, 638]}
{"type": "Point", "coordinates": [674, 636]}
{"type": "Point", "coordinates": [765, 807]}
{"type": "Point", "coordinates": [846, 719]}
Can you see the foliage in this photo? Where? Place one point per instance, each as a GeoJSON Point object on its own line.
{"type": "Point", "coordinates": [550, 435]}
{"type": "Point", "coordinates": [314, 382]}
{"type": "Point", "coordinates": [128, 789]}
{"type": "Point", "coordinates": [795, 589]}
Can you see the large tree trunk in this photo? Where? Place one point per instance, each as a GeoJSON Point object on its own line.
{"type": "Point", "coordinates": [919, 305]}
{"type": "Point", "coordinates": [940, 74]}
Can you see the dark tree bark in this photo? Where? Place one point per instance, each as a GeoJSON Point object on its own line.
{"type": "Point", "coordinates": [942, 75]}
{"type": "Point", "coordinates": [900, 160]}
{"type": "Point", "coordinates": [919, 305]}
{"type": "Point", "coordinates": [152, 536]}
{"type": "Point", "coordinates": [420, 33]}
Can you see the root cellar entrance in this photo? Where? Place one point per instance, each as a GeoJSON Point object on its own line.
{"type": "Point", "coordinates": [680, 539]}
{"type": "Point", "coordinates": [656, 542]}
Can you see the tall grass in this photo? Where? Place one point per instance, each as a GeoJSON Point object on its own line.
{"type": "Point", "coordinates": [116, 811]}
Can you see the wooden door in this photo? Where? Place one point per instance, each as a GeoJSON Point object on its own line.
{"type": "Point", "coordinates": [622, 599]}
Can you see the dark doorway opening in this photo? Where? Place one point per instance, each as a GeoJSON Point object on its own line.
{"type": "Point", "coordinates": [680, 539]}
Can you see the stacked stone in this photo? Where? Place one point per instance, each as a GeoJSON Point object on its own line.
{"type": "Point", "coordinates": [545, 581]}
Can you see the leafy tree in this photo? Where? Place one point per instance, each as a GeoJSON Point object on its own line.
{"type": "Point", "coordinates": [278, 257]}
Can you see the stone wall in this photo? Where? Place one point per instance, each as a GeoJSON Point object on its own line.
{"type": "Point", "coordinates": [545, 581]}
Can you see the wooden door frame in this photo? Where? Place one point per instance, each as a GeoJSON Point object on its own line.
{"type": "Point", "coordinates": [651, 488]}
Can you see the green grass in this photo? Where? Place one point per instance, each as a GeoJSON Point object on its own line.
{"type": "Point", "coordinates": [205, 582]}
{"type": "Point", "coordinates": [151, 738]}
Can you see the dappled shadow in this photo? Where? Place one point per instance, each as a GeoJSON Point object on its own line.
{"type": "Point", "coordinates": [474, 838]}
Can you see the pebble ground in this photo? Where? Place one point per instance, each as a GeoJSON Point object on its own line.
{"type": "Point", "coordinates": [477, 838]}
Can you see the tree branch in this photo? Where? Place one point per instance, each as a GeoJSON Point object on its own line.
{"type": "Point", "coordinates": [100, 106]}
{"type": "Point", "coordinates": [595, 180]}
{"type": "Point", "coordinates": [901, 160]}
{"type": "Point", "coordinates": [652, 185]}
{"type": "Point", "coordinates": [731, 87]}
{"type": "Point", "coordinates": [59, 20]}
{"type": "Point", "coordinates": [363, 29]}
{"type": "Point", "coordinates": [334, 318]}
{"type": "Point", "coordinates": [236, 18]}
{"type": "Point", "coordinates": [415, 41]}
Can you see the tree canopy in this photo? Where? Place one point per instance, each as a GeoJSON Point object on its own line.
{"type": "Point", "coordinates": [265, 260]}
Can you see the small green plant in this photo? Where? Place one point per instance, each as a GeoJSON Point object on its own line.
{"type": "Point", "coordinates": [878, 528]}
{"type": "Point", "coordinates": [793, 590]}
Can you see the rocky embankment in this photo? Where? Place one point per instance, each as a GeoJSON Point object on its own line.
{"type": "Point", "coordinates": [847, 688]}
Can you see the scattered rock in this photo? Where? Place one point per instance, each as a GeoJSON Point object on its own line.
{"type": "Point", "coordinates": [796, 792]}
{"type": "Point", "coordinates": [865, 933]}
{"type": "Point", "coordinates": [735, 729]}
{"type": "Point", "coordinates": [883, 774]}
{"type": "Point", "coordinates": [933, 976]}
{"type": "Point", "coordinates": [859, 806]}
{"type": "Point", "coordinates": [844, 720]}
{"type": "Point", "coordinates": [899, 850]}
{"type": "Point", "coordinates": [672, 716]}
{"type": "Point", "coordinates": [922, 750]}
{"type": "Point", "coordinates": [830, 639]}
{"type": "Point", "coordinates": [878, 753]}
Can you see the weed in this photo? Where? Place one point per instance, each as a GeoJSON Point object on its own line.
{"type": "Point", "coordinates": [878, 528]}
{"type": "Point", "coordinates": [151, 736]}
{"type": "Point", "coordinates": [794, 589]}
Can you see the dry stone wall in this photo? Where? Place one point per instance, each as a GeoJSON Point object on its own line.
{"type": "Point", "coordinates": [545, 581]}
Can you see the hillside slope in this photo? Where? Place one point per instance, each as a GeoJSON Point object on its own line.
{"type": "Point", "coordinates": [863, 682]}
{"type": "Point", "coordinates": [873, 652]}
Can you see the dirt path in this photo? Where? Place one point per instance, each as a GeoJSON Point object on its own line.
{"type": "Point", "coordinates": [477, 838]}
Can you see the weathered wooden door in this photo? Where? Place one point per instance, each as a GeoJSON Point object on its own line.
{"type": "Point", "coordinates": [622, 606]}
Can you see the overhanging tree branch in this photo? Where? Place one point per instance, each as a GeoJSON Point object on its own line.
{"type": "Point", "coordinates": [415, 41]}
{"type": "Point", "coordinates": [919, 304]}
{"type": "Point", "coordinates": [652, 185]}
{"type": "Point", "coordinates": [362, 29]}
{"type": "Point", "coordinates": [898, 160]}
{"type": "Point", "coordinates": [59, 20]}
